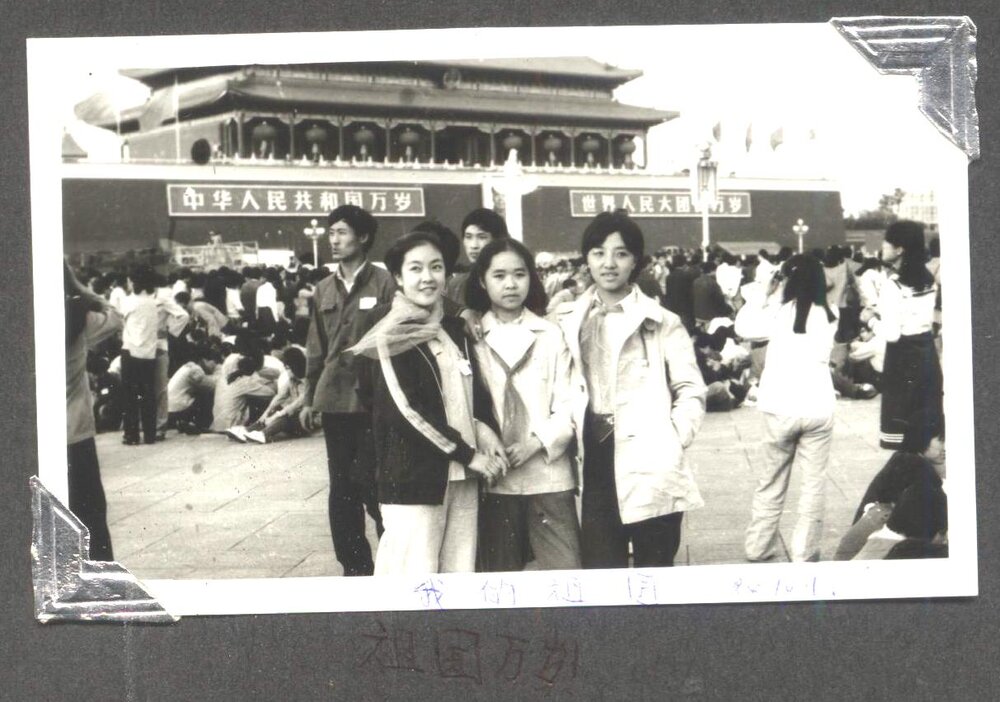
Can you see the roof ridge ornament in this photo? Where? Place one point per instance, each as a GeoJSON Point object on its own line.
{"type": "Point", "coordinates": [940, 52]}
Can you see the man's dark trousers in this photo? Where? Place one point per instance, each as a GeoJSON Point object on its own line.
{"type": "Point", "coordinates": [349, 495]}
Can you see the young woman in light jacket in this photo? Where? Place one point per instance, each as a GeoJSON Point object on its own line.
{"type": "Point", "coordinates": [796, 398]}
{"type": "Point", "coordinates": [527, 366]}
{"type": "Point", "coordinates": [646, 403]}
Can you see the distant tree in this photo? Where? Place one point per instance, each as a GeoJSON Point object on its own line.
{"type": "Point", "coordinates": [886, 214]}
{"type": "Point", "coordinates": [889, 204]}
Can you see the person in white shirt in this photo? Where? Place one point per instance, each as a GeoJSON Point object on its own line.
{"type": "Point", "coordinates": [527, 367]}
{"type": "Point", "coordinates": [267, 301]}
{"type": "Point", "coordinates": [116, 291]}
{"type": "Point", "coordinates": [912, 384]}
{"type": "Point", "coordinates": [173, 320]}
{"type": "Point", "coordinates": [234, 302]}
{"type": "Point", "coordinates": [238, 387]}
{"type": "Point", "coordinates": [190, 393]}
{"type": "Point", "coordinates": [729, 275]}
{"type": "Point", "coordinates": [797, 400]}
{"type": "Point", "coordinates": [282, 414]}
{"type": "Point", "coordinates": [139, 346]}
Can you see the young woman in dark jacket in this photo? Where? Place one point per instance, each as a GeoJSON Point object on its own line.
{"type": "Point", "coordinates": [433, 432]}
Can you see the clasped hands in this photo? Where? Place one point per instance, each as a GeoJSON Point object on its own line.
{"type": "Point", "coordinates": [493, 460]}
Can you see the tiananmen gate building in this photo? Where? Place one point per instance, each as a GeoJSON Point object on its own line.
{"type": "Point", "coordinates": [254, 153]}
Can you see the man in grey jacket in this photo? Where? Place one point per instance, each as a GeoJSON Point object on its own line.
{"type": "Point", "coordinates": [340, 304]}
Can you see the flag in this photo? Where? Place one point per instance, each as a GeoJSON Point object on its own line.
{"type": "Point", "coordinates": [177, 119]}
{"type": "Point", "coordinates": [717, 131]}
{"type": "Point", "coordinates": [749, 141]}
{"type": "Point", "coordinates": [777, 138]}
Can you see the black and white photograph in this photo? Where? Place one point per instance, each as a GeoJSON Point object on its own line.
{"type": "Point", "coordinates": [488, 318]}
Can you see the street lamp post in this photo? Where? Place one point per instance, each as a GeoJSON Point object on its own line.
{"type": "Point", "coordinates": [314, 232]}
{"type": "Point", "coordinates": [800, 229]}
{"type": "Point", "coordinates": [705, 190]}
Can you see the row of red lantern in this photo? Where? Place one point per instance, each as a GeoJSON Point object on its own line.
{"type": "Point", "coordinates": [265, 131]}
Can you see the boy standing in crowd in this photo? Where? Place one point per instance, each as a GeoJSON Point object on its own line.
{"type": "Point", "coordinates": [341, 303]}
{"type": "Point", "coordinates": [139, 346]}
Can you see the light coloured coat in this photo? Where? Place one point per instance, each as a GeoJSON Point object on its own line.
{"type": "Point", "coordinates": [550, 392]}
{"type": "Point", "coordinates": [659, 406]}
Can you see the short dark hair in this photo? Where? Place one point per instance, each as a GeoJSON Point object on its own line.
{"type": "Point", "coordinates": [607, 223]}
{"type": "Point", "coordinates": [450, 246]}
{"type": "Point", "coordinates": [476, 296]}
{"type": "Point", "coordinates": [487, 220]}
{"type": "Point", "coordinates": [406, 243]}
{"type": "Point", "coordinates": [143, 279]}
{"type": "Point", "coordinates": [361, 221]}
{"type": "Point", "coordinates": [296, 360]}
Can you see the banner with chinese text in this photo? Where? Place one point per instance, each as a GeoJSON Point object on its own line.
{"type": "Point", "coordinates": [655, 203]}
{"type": "Point", "coordinates": [213, 200]}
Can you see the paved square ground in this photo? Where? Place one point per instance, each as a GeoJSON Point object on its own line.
{"type": "Point", "coordinates": [208, 507]}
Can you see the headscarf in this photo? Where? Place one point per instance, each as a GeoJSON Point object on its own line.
{"type": "Point", "coordinates": [406, 326]}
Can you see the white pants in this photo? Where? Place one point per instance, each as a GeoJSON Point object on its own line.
{"type": "Point", "coordinates": [420, 539]}
{"type": "Point", "coordinates": [785, 439]}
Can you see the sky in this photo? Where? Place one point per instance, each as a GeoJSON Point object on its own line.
{"type": "Point", "coordinates": [840, 119]}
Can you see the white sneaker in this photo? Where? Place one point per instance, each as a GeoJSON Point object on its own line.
{"type": "Point", "coordinates": [256, 436]}
{"type": "Point", "coordinates": [237, 433]}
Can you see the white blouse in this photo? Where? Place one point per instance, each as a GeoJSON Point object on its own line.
{"type": "Point", "coordinates": [903, 311]}
{"type": "Point", "coordinates": [796, 378]}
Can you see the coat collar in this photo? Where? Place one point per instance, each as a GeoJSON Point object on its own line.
{"type": "Point", "coordinates": [360, 275]}
{"type": "Point", "coordinates": [637, 308]}
{"type": "Point", "coordinates": [529, 320]}
{"type": "Point", "coordinates": [635, 305]}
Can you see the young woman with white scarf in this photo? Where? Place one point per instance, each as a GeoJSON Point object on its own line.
{"type": "Point", "coordinates": [430, 419]}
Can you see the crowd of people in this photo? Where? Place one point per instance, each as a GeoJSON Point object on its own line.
{"type": "Point", "coordinates": [500, 413]}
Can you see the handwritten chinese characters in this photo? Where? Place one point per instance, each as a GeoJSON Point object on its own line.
{"type": "Point", "coordinates": [246, 200]}
{"type": "Point", "coordinates": [465, 654]}
{"type": "Point", "coordinates": [655, 203]}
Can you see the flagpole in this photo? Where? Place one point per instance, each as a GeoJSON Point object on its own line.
{"type": "Point", "coordinates": [177, 121]}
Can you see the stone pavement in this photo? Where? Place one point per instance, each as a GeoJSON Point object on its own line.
{"type": "Point", "coordinates": [207, 507]}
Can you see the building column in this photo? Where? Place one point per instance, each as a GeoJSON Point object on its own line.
{"type": "Point", "coordinates": [387, 125]}
{"type": "Point", "coordinates": [340, 138]}
{"type": "Point", "coordinates": [493, 144]}
{"type": "Point", "coordinates": [291, 136]}
{"type": "Point", "coordinates": [610, 136]}
{"type": "Point", "coordinates": [533, 135]}
{"type": "Point", "coordinates": [239, 134]}
{"type": "Point", "coordinates": [432, 128]}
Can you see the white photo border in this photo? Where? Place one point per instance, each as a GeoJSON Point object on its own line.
{"type": "Point", "coordinates": [826, 581]}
